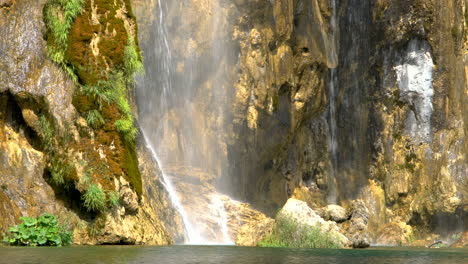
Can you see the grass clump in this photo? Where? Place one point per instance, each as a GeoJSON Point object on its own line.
{"type": "Point", "coordinates": [113, 199]}
{"type": "Point", "coordinates": [58, 163]}
{"type": "Point", "coordinates": [42, 231]}
{"type": "Point", "coordinates": [114, 91]}
{"type": "Point", "coordinates": [94, 118]}
{"type": "Point", "coordinates": [132, 59]}
{"type": "Point", "coordinates": [94, 199]}
{"type": "Point", "coordinates": [59, 16]}
{"type": "Point", "coordinates": [290, 233]}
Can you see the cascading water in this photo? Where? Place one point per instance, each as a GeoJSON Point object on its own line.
{"type": "Point", "coordinates": [180, 99]}
{"type": "Point", "coordinates": [191, 233]}
{"type": "Point", "coordinates": [333, 142]}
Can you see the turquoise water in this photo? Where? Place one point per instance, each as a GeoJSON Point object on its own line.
{"type": "Point", "coordinates": [219, 254]}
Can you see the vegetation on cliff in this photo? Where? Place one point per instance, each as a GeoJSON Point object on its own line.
{"type": "Point", "coordinates": [288, 232]}
{"type": "Point", "coordinates": [42, 231]}
{"type": "Point", "coordinates": [95, 43]}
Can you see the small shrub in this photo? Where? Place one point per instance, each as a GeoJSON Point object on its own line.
{"type": "Point", "coordinates": [94, 118]}
{"type": "Point", "coordinates": [94, 198]}
{"type": "Point", "coordinates": [42, 231]}
{"type": "Point", "coordinates": [289, 233]}
{"type": "Point", "coordinates": [113, 199]}
{"type": "Point", "coordinates": [58, 17]}
{"type": "Point", "coordinates": [132, 59]}
{"type": "Point", "coordinates": [97, 226]}
{"type": "Point", "coordinates": [114, 90]}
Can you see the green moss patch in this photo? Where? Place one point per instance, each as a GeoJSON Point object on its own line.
{"type": "Point", "coordinates": [98, 49]}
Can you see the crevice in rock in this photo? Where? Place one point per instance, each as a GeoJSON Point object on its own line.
{"type": "Point", "coordinates": [70, 197]}
{"type": "Point", "coordinates": [11, 114]}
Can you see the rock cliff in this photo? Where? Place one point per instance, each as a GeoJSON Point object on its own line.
{"type": "Point", "coordinates": [388, 140]}
{"type": "Point", "coordinates": [349, 102]}
{"type": "Point", "coordinates": [58, 141]}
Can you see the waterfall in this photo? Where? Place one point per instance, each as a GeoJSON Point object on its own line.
{"type": "Point", "coordinates": [181, 103]}
{"type": "Point", "coordinates": [192, 236]}
{"type": "Point", "coordinates": [333, 141]}
{"type": "Point", "coordinates": [220, 212]}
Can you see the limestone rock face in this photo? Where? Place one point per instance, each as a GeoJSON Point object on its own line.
{"type": "Point", "coordinates": [251, 234]}
{"type": "Point", "coordinates": [394, 234]}
{"type": "Point", "coordinates": [399, 71]}
{"type": "Point", "coordinates": [36, 94]}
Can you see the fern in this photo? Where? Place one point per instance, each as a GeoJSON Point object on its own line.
{"type": "Point", "coordinates": [94, 118]}
{"type": "Point", "coordinates": [94, 198]}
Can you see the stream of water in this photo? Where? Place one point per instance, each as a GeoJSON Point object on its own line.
{"type": "Point", "coordinates": [333, 141]}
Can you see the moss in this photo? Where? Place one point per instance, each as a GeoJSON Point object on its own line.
{"type": "Point", "coordinates": [104, 74]}
{"type": "Point", "coordinates": [90, 68]}
{"type": "Point", "coordinates": [131, 169]}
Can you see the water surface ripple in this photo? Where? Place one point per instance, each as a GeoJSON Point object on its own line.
{"type": "Point", "coordinates": [229, 254]}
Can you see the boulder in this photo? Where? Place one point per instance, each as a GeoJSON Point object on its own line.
{"type": "Point", "coordinates": [356, 229]}
{"type": "Point", "coordinates": [303, 214]}
{"type": "Point", "coordinates": [334, 213]}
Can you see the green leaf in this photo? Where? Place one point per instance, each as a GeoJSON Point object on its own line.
{"type": "Point", "coordinates": [42, 231]}
{"type": "Point", "coordinates": [41, 240]}
{"type": "Point", "coordinates": [29, 221]}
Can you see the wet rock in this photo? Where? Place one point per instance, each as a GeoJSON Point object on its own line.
{"type": "Point", "coordinates": [242, 218]}
{"type": "Point", "coordinates": [356, 229]}
{"type": "Point", "coordinates": [252, 233]}
{"type": "Point", "coordinates": [129, 199]}
{"type": "Point", "coordinates": [394, 234]}
{"type": "Point", "coordinates": [334, 213]}
{"type": "Point", "coordinates": [462, 241]}
{"type": "Point", "coordinates": [158, 199]}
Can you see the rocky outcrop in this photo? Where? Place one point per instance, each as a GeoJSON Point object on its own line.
{"type": "Point", "coordinates": [300, 212]}
{"type": "Point", "coordinates": [256, 76]}
{"type": "Point", "coordinates": [48, 150]}
{"type": "Point", "coordinates": [334, 213]}
{"type": "Point", "coordinates": [398, 69]}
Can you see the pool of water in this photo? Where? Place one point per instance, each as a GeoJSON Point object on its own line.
{"type": "Point", "coordinates": [229, 254]}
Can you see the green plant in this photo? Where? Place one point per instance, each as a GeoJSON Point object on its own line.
{"type": "Point", "coordinates": [113, 198]}
{"type": "Point", "coordinates": [59, 16]}
{"type": "Point", "coordinates": [94, 198]}
{"type": "Point", "coordinates": [57, 161]}
{"type": "Point", "coordinates": [287, 232]}
{"type": "Point", "coordinates": [97, 226]}
{"type": "Point", "coordinates": [42, 231]}
{"type": "Point", "coordinates": [46, 133]}
{"type": "Point", "coordinates": [132, 60]}
{"type": "Point", "coordinates": [114, 90]}
{"type": "Point", "coordinates": [94, 118]}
